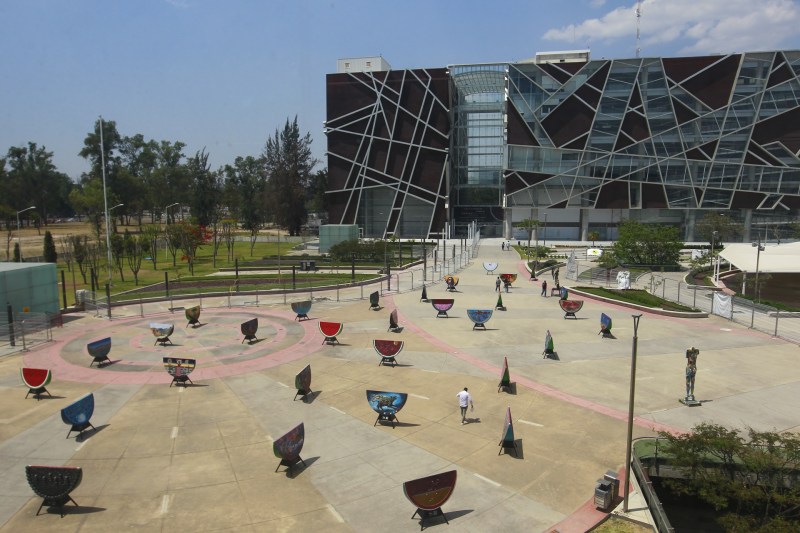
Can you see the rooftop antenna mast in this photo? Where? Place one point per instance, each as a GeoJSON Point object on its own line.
{"type": "Point", "coordinates": [638, 20]}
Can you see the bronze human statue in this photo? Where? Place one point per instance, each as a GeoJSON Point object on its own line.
{"type": "Point", "coordinates": [691, 371]}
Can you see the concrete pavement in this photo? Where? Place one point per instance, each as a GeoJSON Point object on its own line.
{"type": "Point", "coordinates": [201, 458]}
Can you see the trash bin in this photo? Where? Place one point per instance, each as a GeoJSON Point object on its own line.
{"type": "Point", "coordinates": [303, 266]}
{"type": "Point", "coordinates": [611, 477]}
{"type": "Point", "coordinates": [312, 265]}
{"type": "Point", "coordinates": [602, 494]}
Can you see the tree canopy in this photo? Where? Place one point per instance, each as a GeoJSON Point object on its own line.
{"type": "Point", "coordinates": [288, 162]}
{"type": "Point", "coordinates": [754, 481]}
{"type": "Point", "coordinates": [647, 244]}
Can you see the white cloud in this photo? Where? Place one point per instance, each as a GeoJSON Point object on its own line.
{"type": "Point", "coordinates": [706, 26]}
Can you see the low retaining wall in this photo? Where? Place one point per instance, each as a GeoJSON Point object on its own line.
{"type": "Point", "coordinates": [654, 310]}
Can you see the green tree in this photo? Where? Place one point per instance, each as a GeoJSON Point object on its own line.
{"type": "Point", "coordinates": [206, 190]}
{"type": "Point", "coordinates": [34, 180]}
{"type": "Point", "coordinates": [288, 161]}
{"type": "Point", "coordinates": [245, 189]}
{"type": "Point", "coordinates": [529, 224]}
{"type": "Point", "coordinates": [135, 246]}
{"type": "Point", "coordinates": [726, 228]}
{"type": "Point", "coordinates": [87, 198]}
{"type": "Point", "coordinates": [139, 191]}
{"type": "Point", "coordinates": [79, 245]}
{"type": "Point", "coordinates": [118, 253]}
{"type": "Point", "coordinates": [17, 253]}
{"type": "Point", "coordinates": [172, 234]}
{"type": "Point", "coordinates": [96, 152]}
{"type": "Point", "coordinates": [150, 234]}
{"type": "Point", "coordinates": [317, 200]}
{"type": "Point", "coordinates": [49, 252]}
{"type": "Point", "coordinates": [647, 244]}
{"type": "Point", "coordinates": [593, 236]}
{"type": "Point", "coordinates": [752, 481]}
{"type": "Point", "coordinates": [65, 246]}
{"type": "Point", "coordinates": [191, 237]}
{"type": "Point", "coordinates": [795, 228]}
{"type": "Point", "coordinates": [207, 198]}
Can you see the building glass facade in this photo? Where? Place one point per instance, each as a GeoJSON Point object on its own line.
{"type": "Point", "coordinates": [477, 144]}
{"type": "Point", "coordinates": [591, 143]}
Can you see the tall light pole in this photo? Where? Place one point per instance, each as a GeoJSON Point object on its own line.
{"type": "Point", "coordinates": [760, 248]}
{"type": "Point", "coordinates": [110, 209]}
{"type": "Point", "coordinates": [166, 209]}
{"type": "Point", "coordinates": [713, 267]}
{"type": "Point", "coordinates": [19, 239]}
{"type": "Point", "coordinates": [629, 442]}
{"type": "Point", "coordinates": [105, 198]}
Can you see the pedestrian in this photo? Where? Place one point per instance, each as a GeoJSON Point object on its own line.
{"type": "Point", "coordinates": [507, 284]}
{"type": "Point", "coordinates": [497, 284]}
{"type": "Point", "coordinates": [503, 246]}
{"type": "Point", "coordinates": [544, 288]}
{"type": "Point", "coordinates": [464, 401]}
{"type": "Point", "coordinates": [553, 273]}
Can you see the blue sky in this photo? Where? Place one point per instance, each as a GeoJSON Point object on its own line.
{"type": "Point", "coordinates": [225, 74]}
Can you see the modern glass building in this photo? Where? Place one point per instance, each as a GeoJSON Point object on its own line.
{"type": "Point", "coordinates": [580, 143]}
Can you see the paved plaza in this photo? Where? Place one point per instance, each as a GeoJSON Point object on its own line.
{"type": "Point", "coordinates": [200, 458]}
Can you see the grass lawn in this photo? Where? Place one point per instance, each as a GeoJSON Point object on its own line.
{"type": "Point", "coordinates": [261, 282]}
{"type": "Point", "coordinates": [636, 296]}
{"type": "Point", "coordinates": [151, 279]}
{"type": "Point", "coordinates": [620, 525]}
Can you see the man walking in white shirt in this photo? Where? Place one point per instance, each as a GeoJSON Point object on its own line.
{"type": "Point", "coordinates": [464, 401]}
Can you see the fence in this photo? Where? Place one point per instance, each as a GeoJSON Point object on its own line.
{"type": "Point", "coordinates": [27, 330]}
{"type": "Point", "coordinates": [432, 270]}
{"type": "Point", "coordinates": [782, 324]}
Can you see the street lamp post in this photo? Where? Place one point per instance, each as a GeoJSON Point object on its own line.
{"type": "Point", "coordinates": [166, 210]}
{"type": "Point", "coordinates": [105, 198]}
{"type": "Point", "coordinates": [757, 292]}
{"type": "Point", "coordinates": [19, 239]}
{"type": "Point", "coordinates": [108, 238]}
{"type": "Point", "coordinates": [629, 442]}
{"type": "Point", "coordinates": [713, 266]}
{"type": "Point", "coordinates": [110, 209]}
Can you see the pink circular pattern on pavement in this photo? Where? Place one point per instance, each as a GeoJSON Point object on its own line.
{"type": "Point", "coordinates": [135, 340]}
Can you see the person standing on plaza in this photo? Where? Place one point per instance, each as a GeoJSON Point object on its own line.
{"type": "Point", "coordinates": [464, 401]}
{"type": "Point", "coordinates": [497, 284]}
{"type": "Point", "coordinates": [544, 288]}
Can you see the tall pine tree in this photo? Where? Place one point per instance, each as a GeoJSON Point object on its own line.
{"type": "Point", "coordinates": [289, 163]}
{"type": "Point", "coordinates": [49, 252]}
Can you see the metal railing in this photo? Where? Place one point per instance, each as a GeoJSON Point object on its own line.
{"type": "Point", "coordinates": [27, 330]}
{"type": "Point", "coordinates": [651, 497]}
{"type": "Point", "coordinates": [781, 324]}
{"type": "Point", "coordinates": [399, 281]}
